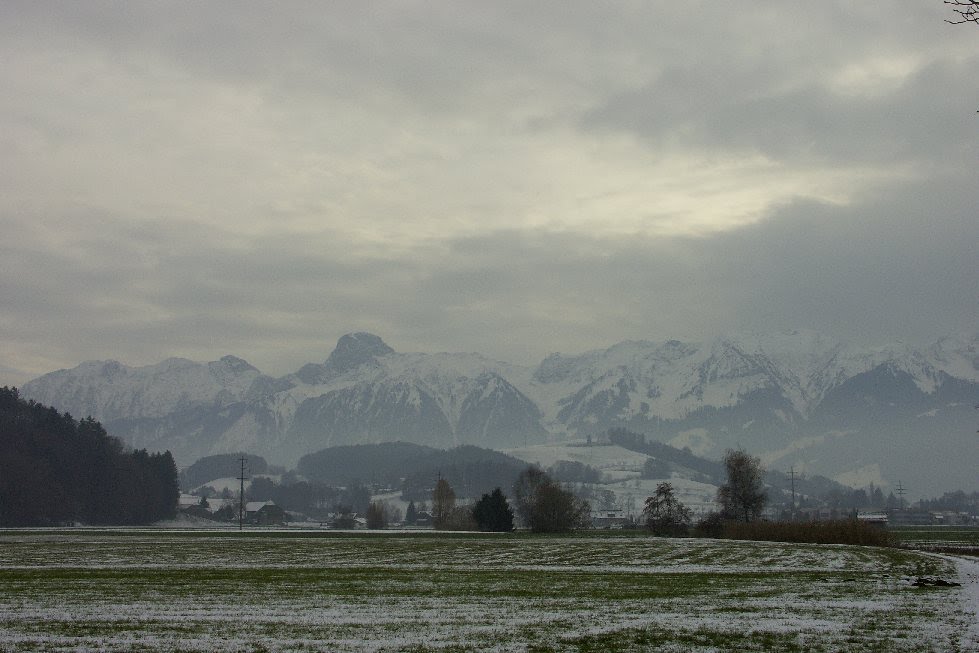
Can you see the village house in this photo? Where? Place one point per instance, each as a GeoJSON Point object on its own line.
{"type": "Point", "coordinates": [264, 513]}
{"type": "Point", "coordinates": [609, 519]}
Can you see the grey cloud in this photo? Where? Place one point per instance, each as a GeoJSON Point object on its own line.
{"type": "Point", "coordinates": [426, 52]}
{"type": "Point", "coordinates": [438, 54]}
{"type": "Point", "coordinates": [745, 112]}
{"type": "Point", "coordinates": [900, 266]}
{"type": "Point", "coordinates": [167, 248]}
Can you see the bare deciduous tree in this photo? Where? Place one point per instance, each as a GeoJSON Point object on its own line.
{"type": "Point", "coordinates": [743, 496]}
{"type": "Point", "coordinates": [443, 503]}
{"type": "Point", "coordinates": [966, 10]}
{"type": "Point", "coordinates": [546, 507]}
{"type": "Point", "coordinates": [376, 515]}
{"type": "Point", "coordinates": [665, 514]}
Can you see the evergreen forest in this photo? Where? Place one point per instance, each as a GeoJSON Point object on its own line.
{"type": "Point", "coordinates": [55, 470]}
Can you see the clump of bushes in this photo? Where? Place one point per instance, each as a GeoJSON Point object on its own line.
{"type": "Point", "coordinates": [837, 531]}
{"type": "Point", "coordinates": [712, 526]}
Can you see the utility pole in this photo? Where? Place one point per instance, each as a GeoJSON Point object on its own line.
{"type": "Point", "coordinates": [241, 495]}
{"type": "Point", "coordinates": [900, 494]}
{"type": "Point", "coordinates": [792, 476]}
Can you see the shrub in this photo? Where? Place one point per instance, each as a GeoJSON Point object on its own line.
{"type": "Point", "coordinates": [711, 525]}
{"type": "Point", "coordinates": [460, 519]}
{"type": "Point", "coordinates": [344, 518]}
{"type": "Point", "coordinates": [838, 531]}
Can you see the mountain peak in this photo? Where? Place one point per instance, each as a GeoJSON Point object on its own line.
{"type": "Point", "coordinates": [233, 364]}
{"type": "Point", "coordinates": [355, 349]}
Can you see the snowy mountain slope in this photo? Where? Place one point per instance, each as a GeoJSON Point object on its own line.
{"type": "Point", "coordinates": [433, 399]}
{"type": "Point", "coordinates": [363, 392]}
{"type": "Point", "coordinates": [787, 395]}
{"type": "Point", "coordinates": [633, 381]}
{"type": "Point", "coordinates": [110, 390]}
{"type": "Point", "coordinates": [636, 381]}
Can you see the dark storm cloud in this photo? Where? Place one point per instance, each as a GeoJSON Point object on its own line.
{"type": "Point", "coordinates": [927, 113]}
{"type": "Point", "coordinates": [901, 266]}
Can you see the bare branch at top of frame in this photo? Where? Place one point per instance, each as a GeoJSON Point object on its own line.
{"type": "Point", "coordinates": [968, 11]}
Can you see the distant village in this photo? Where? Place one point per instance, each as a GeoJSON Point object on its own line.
{"type": "Point", "coordinates": [398, 513]}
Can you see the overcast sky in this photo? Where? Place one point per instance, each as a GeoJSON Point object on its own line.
{"type": "Point", "coordinates": [199, 179]}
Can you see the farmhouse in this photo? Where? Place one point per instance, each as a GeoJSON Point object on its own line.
{"type": "Point", "coordinates": [873, 518]}
{"type": "Point", "coordinates": [264, 513]}
{"type": "Point", "coordinates": [609, 519]}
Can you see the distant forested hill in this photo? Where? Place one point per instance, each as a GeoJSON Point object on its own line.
{"type": "Point", "coordinates": [384, 463]}
{"type": "Point", "coordinates": [222, 465]}
{"type": "Point", "coordinates": [56, 470]}
{"type": "Point", "coordinates": [470, 470]}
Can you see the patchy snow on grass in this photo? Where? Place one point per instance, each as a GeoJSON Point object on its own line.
{"type": "Point", "coordinates": [968, 577]}
{"type": "Point", "coordinates": [309, 591]}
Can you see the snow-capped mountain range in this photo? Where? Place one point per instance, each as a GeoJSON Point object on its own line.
{"type": "Point", "coordinates": [883, 414]}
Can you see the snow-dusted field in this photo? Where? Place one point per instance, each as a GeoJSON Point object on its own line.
{"type": "Point", "coordinates": [282, 590]}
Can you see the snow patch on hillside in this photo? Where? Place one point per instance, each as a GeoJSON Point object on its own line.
{"type": "Point", "coordinates": [219, 485]}
{"type": "Point", "coordinates": [601, 457]}
{"type": "Point", "coordinates": [631, 494]}
{"type": "Point", "coordinates": [698, 441]}
{"type": "Point", "coordinates": [862, 477]}
{"type": "Point", "coordinates": [800, 444]}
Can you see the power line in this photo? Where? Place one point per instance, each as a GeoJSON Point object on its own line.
{"type": "Point", "coordinates": [900, 493]}
{"type": "Point", "coordinates": [792, 477]}
{"type": "Point", "coordinates": [241, 495]}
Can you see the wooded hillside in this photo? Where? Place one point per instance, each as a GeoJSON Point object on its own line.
{"type": "Point", "coordinates": [55, 470]}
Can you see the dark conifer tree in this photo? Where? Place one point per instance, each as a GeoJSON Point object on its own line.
{"type": "Point", "coordinates": [493, 513]}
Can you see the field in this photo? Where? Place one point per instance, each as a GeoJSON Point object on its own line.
{"type": "Point", "coordinates": [960, 540]}
{"type": "Point", "coordinates": [291, 590]}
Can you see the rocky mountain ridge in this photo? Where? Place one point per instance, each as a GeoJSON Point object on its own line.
{"type": "Point", "coordinates": [878, 414]}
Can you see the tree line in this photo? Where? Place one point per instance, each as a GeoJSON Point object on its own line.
{"type": "Point", "coordinates": [811, 491]}
{"type": "Point", "coordinates": [742, 499]}
{"type": "Point", "coordinates": [540, 503]}
{"type": "Point", "coordinates": [543, 505]}
{"type": "Point", "coordinates": [55, 470]}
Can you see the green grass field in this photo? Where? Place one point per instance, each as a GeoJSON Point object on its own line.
{"type": "Point", "coordinates": [282, 590]}
{"type": "Point", "coordinates": [959, 540]}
